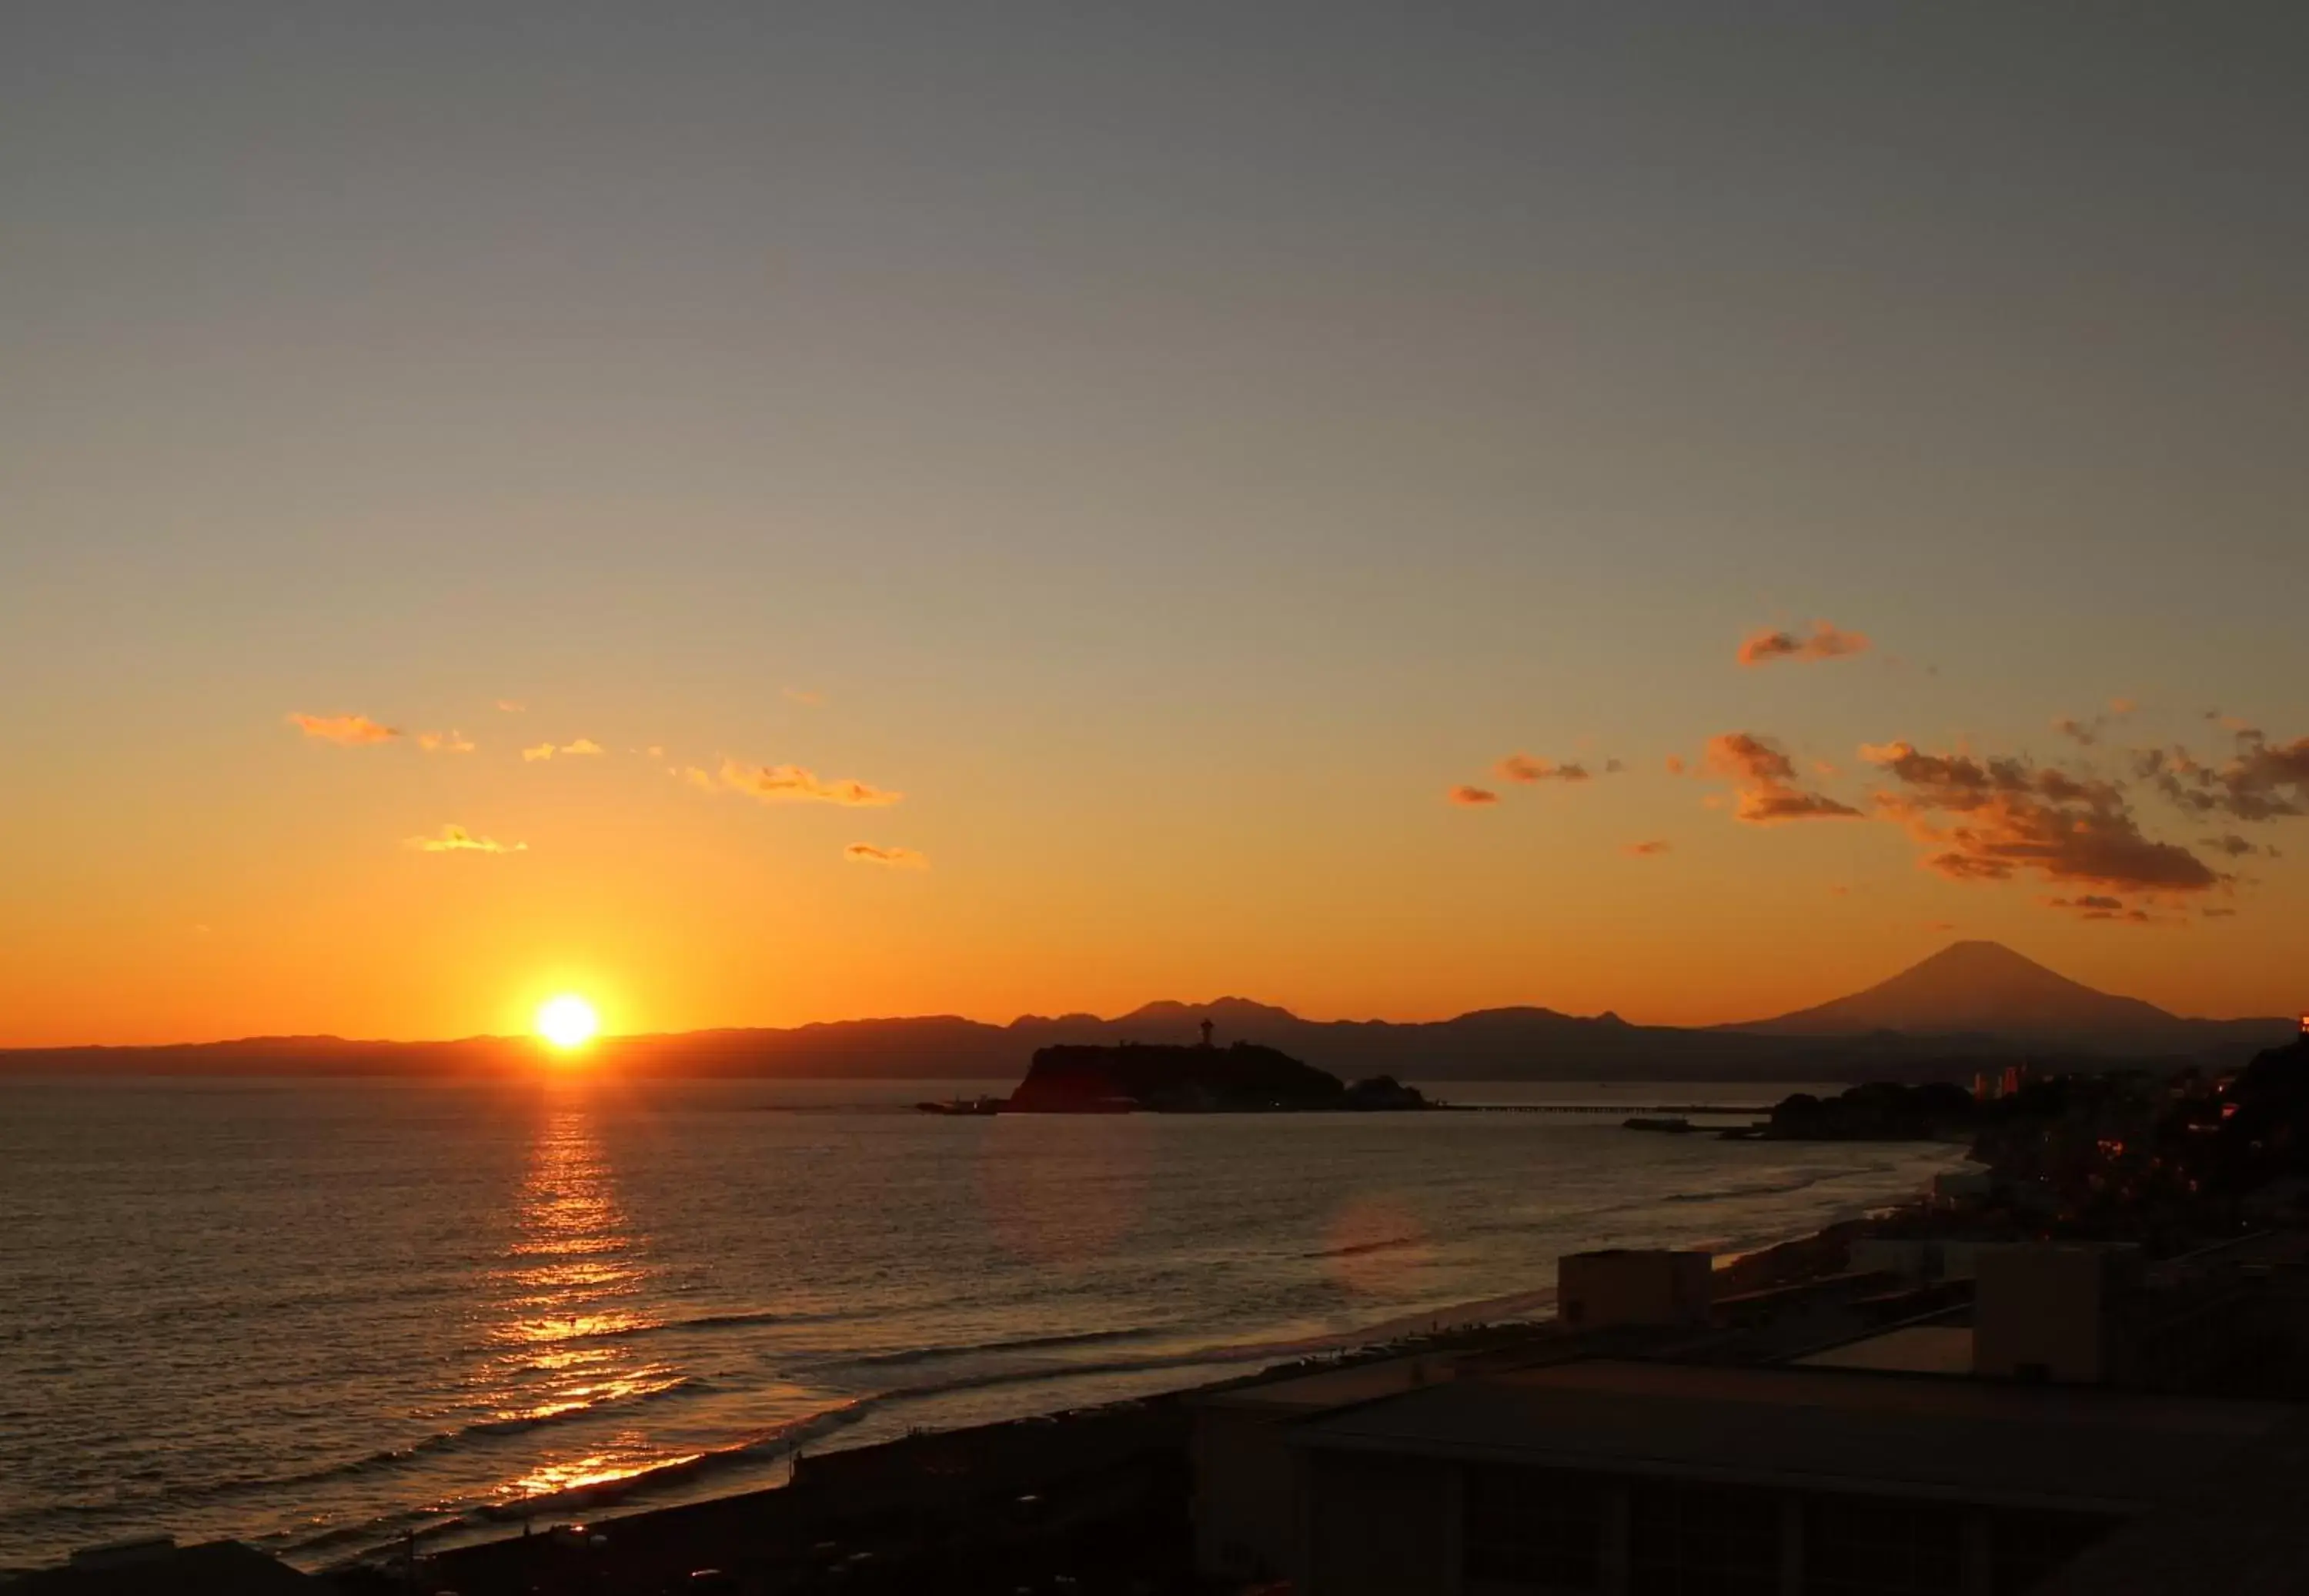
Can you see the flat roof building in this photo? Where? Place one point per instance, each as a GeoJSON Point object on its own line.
{"type": "Point", "coordinates": [1663, 1479]}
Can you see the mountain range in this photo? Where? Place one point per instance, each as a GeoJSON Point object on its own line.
{"type": "Point", "coordinates": [1970, 1005]}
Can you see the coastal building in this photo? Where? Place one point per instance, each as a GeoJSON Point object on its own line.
{"type": "Point", "coordinates": [1600, 1291]}
{"type": "Point", "coordinates": [1660, 1479]}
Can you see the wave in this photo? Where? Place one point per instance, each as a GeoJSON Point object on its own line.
{"type": "Point", "coordinates": [740, 1319]}
{"type": "Point", "coordinates": [349, 1541]}
{"type": "Point", "coordinates": [1353, 1249]}
{"type": "Point", "coordinates": [1030, 1344]}
{"type": "Point", "coordinates": [440, 1442]}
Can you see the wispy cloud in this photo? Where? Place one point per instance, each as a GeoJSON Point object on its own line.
{"type": "Point", "coordinates": [456, 838]}
{"type": "Point", "coordinates": [791, 783]}
{"type": "Point", "coordinates": [1988, 819]}
{"type": "Point", "coordinates": [1824, 641]}
{"type": "Point", "coordinates": [1646, 850]}
{"type": "Point", "coordinates": [2083, 733]}
{"type": "Point", "coordinates": [1523, 767]}
{"type": "Point", "coordinates": [444, 742]}
{"type": "Point", "coordinates": [801, 696]}
{"type": "Point", "coordinates": [584, 746]}
{"type": "Point", "coordinates": [1765, 783]}
{"type": "Point", "coordinates": [350, 732]}
{"type": "Point", "coordinates": [895, 859]}
{"type": "Point", "coordinates": [511, 706]}
{"type": "Point", "coordinates": [2100, 906]}
{"type": "Point", "coordinates": [1473, 797]}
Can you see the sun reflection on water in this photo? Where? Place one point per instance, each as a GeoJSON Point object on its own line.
{"type": "Point", "coordinates": [571, 1293]}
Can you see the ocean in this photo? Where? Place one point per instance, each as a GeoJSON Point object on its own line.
{"type": "Point", "coordinates": [320, 1316]}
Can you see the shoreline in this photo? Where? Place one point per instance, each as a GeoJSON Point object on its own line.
{"type": "Point", "coordinates": [1048, 1440]}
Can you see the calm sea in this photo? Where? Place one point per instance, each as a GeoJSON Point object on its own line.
{"type": "Point", "coordinates": [319, 1315]}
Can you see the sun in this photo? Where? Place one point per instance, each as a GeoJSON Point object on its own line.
{"type": "Point", "coordinates": [568, 1022]}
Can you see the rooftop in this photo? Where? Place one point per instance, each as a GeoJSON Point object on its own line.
{"type": "Point", "coordinates": [1911, 1349]}
{"type": "Point", "coordinates": [1818, 1428]}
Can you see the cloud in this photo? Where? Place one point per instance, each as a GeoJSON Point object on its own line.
{"type": "Point", "coordinates": [2122, 707]}
{"type": "Point", "coordinates": [801, 696]}
{"type": "Point", "coordinates": [543, 751]}
{"type": "Point", "coordinates": [348, 731]}
{"type": "Point", "coordinates": [791, 783]}
{"type": "Point", "coordinates": [511, 706]}
{"type": "Point", "coordinates": [2095, 906]}
{"type": "Point", "coordinates": [584, 745]}
{"type": "Point", "coordinates": [1765, 783]}
{"type": "Point", "coordinates": [2083, 733]}
{"type": "Point", "coordinates": [1646, 851]}
{"type": "Point", "coordinates": [1676, 766]}
{"type": "Point", "coordinates": [895, 859]}
{"type": "Point", "coordinates": [1992, 819]}
{"type": "Point", "coordinates": [444, 742]}
{"type": "Point", "coordinates": [1523, 767]}
{"type": "Point", "coordinates": [2233, 845]}
{"type": "Point", "coordinates": [2217, 914]}
{"type": "Point", "coordinates": [654, 751]}
{"type": "Point", "coordinates": [456, 838]}
{"type": "Point", "coordinates": [1474, 797]}
{"type": "Point", "coordinates": [2261, 781]}
{"type": "Point", "coordinates": [1826, 642]}
{"type": "Point", "coordinates": [1613, 767]}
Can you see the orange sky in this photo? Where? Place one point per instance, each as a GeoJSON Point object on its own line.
{"type": "Point", "coordinates": [1044, 517]}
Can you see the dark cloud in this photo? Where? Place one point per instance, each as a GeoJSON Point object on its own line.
{"type": "Point", "coordinates": [2261, 781]}
{"type": "Point", "coordinates": [1992, 819]}
{"type": "Point", "coordinates": [893, 858]}
{"type": "Point", "coordinates": [1646, 850]}
{"type": "Point", "coordinates": [1825, 641]}
{"type": "Point", "coordinates": [1523, 767]}
{"type": "Point", "coordinates": [1765, 781]}
{"type": "Point", "coordinates": [1473, 797]}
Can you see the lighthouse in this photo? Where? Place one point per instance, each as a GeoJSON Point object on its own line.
{"type": "Point", "coordinates": [1207, 1028]}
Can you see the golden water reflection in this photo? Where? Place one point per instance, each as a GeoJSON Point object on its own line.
{"type": "Point", "coordinates": [572, 1296]}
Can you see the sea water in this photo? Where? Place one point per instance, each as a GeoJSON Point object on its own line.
{"type": "Point", "coordinates": [319, 1315]}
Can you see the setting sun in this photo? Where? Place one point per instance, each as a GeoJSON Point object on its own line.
{"type": "Point", "coordinates": [568, 1022]}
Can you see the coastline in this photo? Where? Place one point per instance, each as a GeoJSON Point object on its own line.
{"type": "Point", "coordinates": [1048, 1448]}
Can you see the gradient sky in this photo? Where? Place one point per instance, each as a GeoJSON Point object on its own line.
{"type": "Point", "coordinates": [1173, 446]}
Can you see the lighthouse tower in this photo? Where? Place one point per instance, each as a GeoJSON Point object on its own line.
{"type": "Point", "coordinates": [1207, 1030]}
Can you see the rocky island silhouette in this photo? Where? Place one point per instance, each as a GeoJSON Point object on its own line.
{"type": "Point", "coordinates": [1241, 1078]}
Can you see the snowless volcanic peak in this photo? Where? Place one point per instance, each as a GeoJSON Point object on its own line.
{"type": "Point", "coordinates": [1975, 987]}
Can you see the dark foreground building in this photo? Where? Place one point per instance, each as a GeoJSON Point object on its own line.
{"type": "Point", "coordinates": [1664, 1480]}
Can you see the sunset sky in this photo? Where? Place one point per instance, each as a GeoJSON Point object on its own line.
{"type": "Point", "coordinates": [773, 513]}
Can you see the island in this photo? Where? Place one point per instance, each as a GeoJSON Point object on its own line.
{"type": "Point", "coordinates": [1241, 1078]}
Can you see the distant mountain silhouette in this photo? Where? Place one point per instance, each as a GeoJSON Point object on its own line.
{"type": "Point", "coordinates": [1985, 988]}
{"type": "Point", "coordinates": [1974, 986]}
{"type": "Point", "coordinates": [1969, 1004]}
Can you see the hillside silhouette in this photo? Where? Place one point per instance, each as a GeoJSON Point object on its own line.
{"type": "Point", "coordinates": [1970, 1002]}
